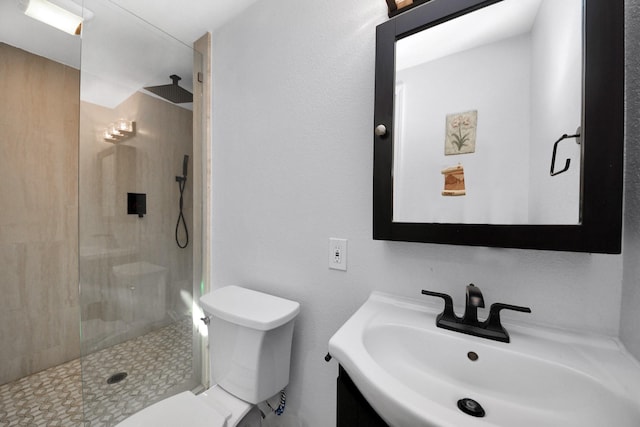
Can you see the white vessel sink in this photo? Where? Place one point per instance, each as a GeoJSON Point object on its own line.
{"type": "Point", "coordinates": [414, 374]}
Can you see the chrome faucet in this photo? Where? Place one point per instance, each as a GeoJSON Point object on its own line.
{"type": "Point", "coordinates": [469, 324]}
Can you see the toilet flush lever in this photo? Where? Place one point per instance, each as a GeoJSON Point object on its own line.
{"type": "Point", "coordinates": [206, 320]}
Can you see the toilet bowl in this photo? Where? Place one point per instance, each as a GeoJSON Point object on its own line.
{"type": "Point", "coordinates": [250, 336]}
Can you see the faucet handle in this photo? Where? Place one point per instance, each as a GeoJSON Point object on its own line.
{"type": "Point", "coordinates": [493, 321]}
{"type": "Point", "coordinates": [448, 313]}
{"type": "Point", "coordinates": [497, 306]}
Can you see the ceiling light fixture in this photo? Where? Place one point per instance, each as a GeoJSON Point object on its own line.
{"type": "Point", "coordinates": [64, 15]}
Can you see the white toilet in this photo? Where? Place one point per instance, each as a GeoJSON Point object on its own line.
{"type": "Point", "coordinates": [250, 350]}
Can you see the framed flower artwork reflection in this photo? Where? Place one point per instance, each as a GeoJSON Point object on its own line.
{"type": "Point", "coordinates": [461, 133]}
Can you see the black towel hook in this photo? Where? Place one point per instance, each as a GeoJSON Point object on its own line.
{"type": "Point", "coordinates": [555, 149]}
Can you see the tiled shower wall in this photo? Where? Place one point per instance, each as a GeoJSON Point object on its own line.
{"type": "Point", "coordinates": [39, 313]}
{"type": "Point", "coordinates": [109, 237]}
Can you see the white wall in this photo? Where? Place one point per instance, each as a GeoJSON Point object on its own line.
{"type": "Point", "coordinates": [292, 164]}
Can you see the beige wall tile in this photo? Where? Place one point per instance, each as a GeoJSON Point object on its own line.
{"type": "Point", "coordinates": [38, 219]}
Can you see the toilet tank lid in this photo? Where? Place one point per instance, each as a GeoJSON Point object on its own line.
{"type": "Point", "coordinates": [249, 308]}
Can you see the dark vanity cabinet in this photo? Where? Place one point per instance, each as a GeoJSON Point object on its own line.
{"type": "Point", "coordinates": [353, 409]}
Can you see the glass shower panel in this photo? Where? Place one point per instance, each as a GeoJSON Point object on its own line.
{"type": "Point", "coordinates": [139, 343]}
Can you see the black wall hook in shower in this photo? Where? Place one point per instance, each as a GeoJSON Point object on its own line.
{"type": "Point", "coordinates": [555, 149]}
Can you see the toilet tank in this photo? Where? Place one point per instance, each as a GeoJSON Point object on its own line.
{"type": "Point", "coordinates": [249, 341]}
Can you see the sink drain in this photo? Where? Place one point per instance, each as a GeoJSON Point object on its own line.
{"type": "Point", "coordinates": [116, 378]}
{"type": "Point", "coordinates": [471, 407]}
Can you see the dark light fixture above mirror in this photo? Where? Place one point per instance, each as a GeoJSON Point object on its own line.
{"type": "Point", "coordinates": [599, 215]}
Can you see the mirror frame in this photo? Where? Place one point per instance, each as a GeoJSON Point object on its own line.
{"type": "Point", "coordinates": [600, 228]}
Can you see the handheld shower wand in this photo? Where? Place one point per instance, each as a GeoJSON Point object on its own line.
{"type": "Point", "coordinates": [185, 166]}
{"type": "Point", "coordinates": [182, 182]}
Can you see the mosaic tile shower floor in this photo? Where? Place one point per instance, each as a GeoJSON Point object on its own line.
{"type": "Point", "coordinates": [157, 363]}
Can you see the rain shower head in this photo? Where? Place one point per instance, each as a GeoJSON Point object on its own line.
{"type": "Point", "coordinates": [172, 92]}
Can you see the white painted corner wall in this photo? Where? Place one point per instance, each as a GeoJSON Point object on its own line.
{"type": "Point", "coordinates": [293, 88]}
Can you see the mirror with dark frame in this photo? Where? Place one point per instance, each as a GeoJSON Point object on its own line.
{"type": "Point", "coordinates": [500, 123]}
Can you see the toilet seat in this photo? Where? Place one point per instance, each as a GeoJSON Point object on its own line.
{"type": "Point", "coordinates": [233, 408]}
{"type": "Point", "coordinates": [213, 408]}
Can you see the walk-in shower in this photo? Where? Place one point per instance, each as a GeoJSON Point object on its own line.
{"type": "Point", "coordinates": [97, 308]}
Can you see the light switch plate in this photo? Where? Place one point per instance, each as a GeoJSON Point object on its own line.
{"type": "Point", "coordinates": [338, 254]}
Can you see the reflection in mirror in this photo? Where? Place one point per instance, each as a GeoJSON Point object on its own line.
{"type": "Point", "coordinates": [489, 93]}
